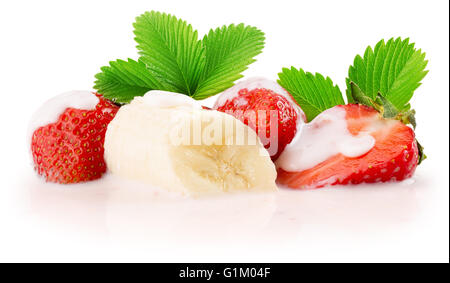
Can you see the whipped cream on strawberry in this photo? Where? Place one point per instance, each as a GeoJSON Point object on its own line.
{"type": "Point", "coordinates": [50, 111]}
{"type": "Point", "coordinates": [322, 138]}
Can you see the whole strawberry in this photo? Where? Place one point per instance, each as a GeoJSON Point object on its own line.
{"type": "Point", "coordinates": [70, 148]}
{"type": "Point", "coordinates": [266, 108]}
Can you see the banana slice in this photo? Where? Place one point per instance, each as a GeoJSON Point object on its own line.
{"type": "Point", "coordinates": [167, 140]}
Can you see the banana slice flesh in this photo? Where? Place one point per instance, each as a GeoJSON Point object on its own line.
{"type": "Point", "coordinates": [186, 149]}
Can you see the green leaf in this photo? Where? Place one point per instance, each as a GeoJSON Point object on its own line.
{"type": "Point", "coordinates": [229, 50]}
{"type": "Point", "coordinates": [313, 93]}
{"type": "Point", "coordinates": [171, 50]}
{"type": "Point", "coordinates": [122, 80]}
{"type": "Point", "coordinates": [394, 69]}
{"type": "Point", "coordinates": [173, 59]}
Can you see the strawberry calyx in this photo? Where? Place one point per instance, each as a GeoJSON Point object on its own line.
{"type": "Point", "coordinates": [388, 111]}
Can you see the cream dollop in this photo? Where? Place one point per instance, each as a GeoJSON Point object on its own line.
{"type": "Point", "coordinates": [166, 99]}
{"type": "Point", "coordinates": [326, 136]}
{"type": "Point", "coordinates": [50, 111]}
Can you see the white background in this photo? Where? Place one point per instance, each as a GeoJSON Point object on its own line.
{"type": "Point", "coordinates": [49, 47]}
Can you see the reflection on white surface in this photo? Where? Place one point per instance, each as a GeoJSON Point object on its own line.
{"type": "Point", "coordinates": [114, 220]}
{"type": "Point", "coordinates": [128, 212]}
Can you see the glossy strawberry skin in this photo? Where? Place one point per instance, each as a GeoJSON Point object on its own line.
{"type": "Point", "coordinates": [394, 156]}
{"type": "Point", "coordinates": [71, 149]}
{"type": "Point", "coordinates": [246, 106]}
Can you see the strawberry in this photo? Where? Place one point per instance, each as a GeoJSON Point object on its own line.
{"type": "Point", "coordinates": [394, 156]}
{"type": "Point", "coordinates": [255, 107]}
{"type": "Point", "coordinates": [70, 150]}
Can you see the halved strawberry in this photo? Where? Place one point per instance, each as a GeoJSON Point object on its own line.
{"type": "Point", "coordinates": [263, 109]}
{"type": "Point", "coordinates": [70, 150]}
{"type": "Point", "coordinates": [393, 157]}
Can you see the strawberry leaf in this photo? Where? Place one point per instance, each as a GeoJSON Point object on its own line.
{"type": "Point", "coordinates": [393, 69]}
{"type": "Point", "coordinates": [313, 93]}
{"type": "Point", "coordinates": [229, 50]}
{"type": "Point", "coordinates": [173, 59]}
{"type": "Point", "coordinates": [171, 50]}
{"type": "Point", "coordinates": [122, 80]}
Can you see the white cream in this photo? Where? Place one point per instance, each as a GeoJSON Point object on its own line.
{"type": "Point", "coordinates": [166, 99]}
{"type": "Point", "coordinates": [253, 83]}
{"type": "Point", "coordinates": [50, 111]}
{"type": "Point", "coordinates": [326, 136]}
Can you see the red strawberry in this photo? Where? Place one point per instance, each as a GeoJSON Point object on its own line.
{"type": "Point", "coordinates": [70, 150]}
{"type": "Point", "coordinates": [394, 156]}
{"type": "Point", "coordinates": [253, 107]}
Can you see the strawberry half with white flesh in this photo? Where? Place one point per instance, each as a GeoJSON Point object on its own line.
{"type": "Point", "coordinates": [368, 149]}
{"type": "Point", "coordinates": [367, 140]}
